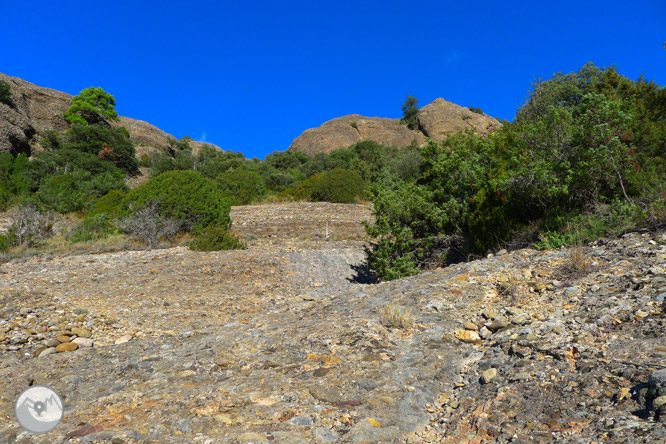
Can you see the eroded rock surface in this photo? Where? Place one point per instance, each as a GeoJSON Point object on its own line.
{"type": "Point", "coordinates": [281, 343]}
{"type": "Point", "coordinates": [436, 121]}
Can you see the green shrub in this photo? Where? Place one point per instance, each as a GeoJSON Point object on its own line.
{"type": "Point", "coordinates": [51, 140]}
{"type": "Point", "coordinates": [5, 92]}
{"type": "Point", "coordinates": [215, 237]}
{"type": "Point", "coordinates": [339, 186]}
{"type": "Point", "coordinates": [92, 228]}
{"type": "Point", "coordinates": [5, 243]}
{"type": "Point", "coordinates": [62, 193]}
{"type": "Point", "coordinates": [106, 142]}
{"type": "Point", "coordinates": [186, 196]}
{"type": "Point", "coordinates": [110, 204]}
{"type": "Point", "coordinates": [241, 185]}
{"type": "Point", "coordinates": [303, 190]}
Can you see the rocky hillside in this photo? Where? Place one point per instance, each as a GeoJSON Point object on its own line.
{"type": "Point", "coordinates": [286, 342]}
{"type": "Point", "coordinates": [436, 121]}
{"type": "Point", "coordinates": [36, 109]}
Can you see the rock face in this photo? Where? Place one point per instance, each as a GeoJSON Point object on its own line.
{"type": "Point", "coordinates": [35, 109]}
{"type": "Point", "coordinates": [348, 130]}
{"type": "Point", "coordinates": [436, 120]}
{"type": "Point", "coordinates": [441, 118]}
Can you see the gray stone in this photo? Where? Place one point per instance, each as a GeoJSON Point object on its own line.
{"type": "Point", "coordinates": [484, 332]}
{"type": "Point", "coordinates": [305, 421]}
{"type": "Point", "coordinates": [498, 323]}
{"type": "Point", "coordinates": [657, 383]}
{"type": "Point", "coordinates": [48, 351]}
{"type": "Point", "coordinates": [572, 291]}
{"type": "Point", "coordinates": [325, 435]}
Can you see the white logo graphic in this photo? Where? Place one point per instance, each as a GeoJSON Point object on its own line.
{"type": "Point", "coordinates": [39, 409]}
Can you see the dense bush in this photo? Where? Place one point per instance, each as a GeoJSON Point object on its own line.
{"type": "Point", "coordinates": [186, 196]}
{"type": "Point", "coordinates": [340, 186]}
{"type": "Point", "coordinates": [583, 158]}
{"type": "Point", "coordinates": [5, 92]}
{"type": "Point", "coordinates": [215, 237]}
{"type": "Point", "coordinates": [107, 143]}
{"type": "Point", "coordinates": [94, 227]}
{"type": "Point", "coordinates": [109, 204]}
{"type": "Point", "coordinates": [242, 186]}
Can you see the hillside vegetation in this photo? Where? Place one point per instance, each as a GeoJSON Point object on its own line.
{"type": "Point", "coordinates": [583, 158]}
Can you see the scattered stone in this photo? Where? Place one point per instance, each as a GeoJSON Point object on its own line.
{"type": "Point", "coordinates": [83, 342]}
{"type": "Point", "coordinates": [471, 326]}
{"type": "Point", "coordinates": [66, 346]}
{"type": "Point", "coordinates": [81, 332]}
{"type": "Point", "coordinates": [48, 351]}
{"type": "Point", "coordinates": [488, 375]}
{"type": "Point", "coordinates": [304, 421]}
{"type": "Point", "coordinates": [63, 339]}
{"type": "Point", "coordinates": [123, 339]}
{"type": "Point", "coordinates": [659, 403]}
{"type": "Point", "coordinates": [468, 336]}
{"type": "Point", "coordinates": [498, 324]}
{"type": "Point", "coordinates": [484, 332]}
{"type": "Point", "coordinates": [572, 291]}
{"type": "Point", "coordinates": [521, 319]}
{"type": "Point", "coordinates": [52, 343]}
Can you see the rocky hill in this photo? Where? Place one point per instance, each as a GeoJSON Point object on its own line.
{"type": "Point", "coordinates": [436, 121]}
{"type": "Point", "coordinates": [36, 109]}
{"type": "Point", "coordinates": [287, 342]}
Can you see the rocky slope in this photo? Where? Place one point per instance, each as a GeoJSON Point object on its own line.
{"type": "Point", "coordinates": [284, 342]}
{"type": "Point", "coordinates": [36, 109]}
{"type": "Point", "coordinates": [436, 120]}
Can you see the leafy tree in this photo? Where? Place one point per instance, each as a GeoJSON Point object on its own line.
{"type": "Point", "coordinates": [410, 112]}
{"type": "Point", "coordinates": [107, 143]}
{"type": "Point", "coordinates": [92, 105]}
{"type": "Point", "coordinates": [5, 92]}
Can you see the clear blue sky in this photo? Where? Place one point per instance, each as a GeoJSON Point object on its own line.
{"type": "Point", "coordinates": [252, 76]}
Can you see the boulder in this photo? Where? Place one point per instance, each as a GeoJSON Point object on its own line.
{"type": "Point", "coordinates": [441, 118]}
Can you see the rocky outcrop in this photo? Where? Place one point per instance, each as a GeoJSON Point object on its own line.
{"type": "Point", "coordinates": [441, 118]}
{"type": "Point", "coordinates": [348, 130]}
{"type": "Point", "coordinates": [436, 120]}
{"type": "Point", "coordinates": [35, 109]}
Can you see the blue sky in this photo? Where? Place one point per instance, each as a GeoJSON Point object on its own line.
{"type": "Point", "coordinates": [252, 76]}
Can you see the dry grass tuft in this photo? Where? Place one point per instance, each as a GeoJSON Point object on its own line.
{"type": "Point", "coordinates": [512, 286]}
{"type": "Point", "coordinates": [393, 317]}
{"type": "Point", "coordinates": [578, 263]}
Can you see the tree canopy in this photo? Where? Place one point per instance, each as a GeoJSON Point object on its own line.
{"type": "Point", "coordinates": [92, 105]}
